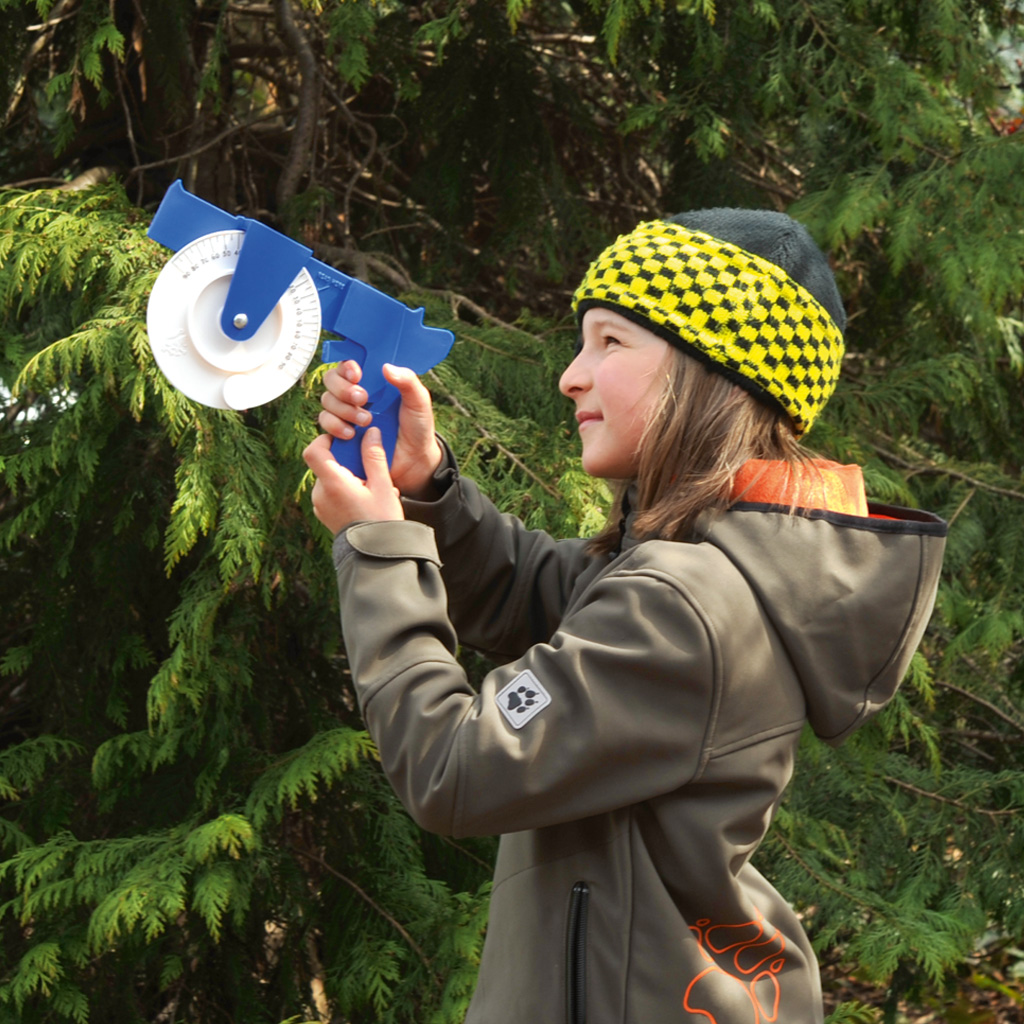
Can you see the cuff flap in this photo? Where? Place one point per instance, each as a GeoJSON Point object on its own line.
{"type": "Point", "coordinates": [395, 539]}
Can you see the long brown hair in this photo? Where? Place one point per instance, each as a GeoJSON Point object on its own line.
{"type": "Point", "coordinates": [704, 428]}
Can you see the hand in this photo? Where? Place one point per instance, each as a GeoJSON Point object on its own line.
{"type": "Point", "coordinates": [340, 498]}
{"type": "Point", "coordinates": [417, 452]}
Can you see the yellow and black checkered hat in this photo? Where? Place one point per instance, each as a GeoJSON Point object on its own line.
{"type": "Point", "coordinates": [738, 312]}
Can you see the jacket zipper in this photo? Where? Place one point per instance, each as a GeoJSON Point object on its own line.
{"type": "Point", "coordinates": [576, 955]}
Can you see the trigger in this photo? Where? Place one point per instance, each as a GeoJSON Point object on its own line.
{"type": "Point", "coordinates": [337, 350]}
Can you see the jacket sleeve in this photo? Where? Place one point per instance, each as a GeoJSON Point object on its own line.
{"type": "Point", "coordinates": [507, 586]}
{"type": "Point", "coordinates": [629, 677]}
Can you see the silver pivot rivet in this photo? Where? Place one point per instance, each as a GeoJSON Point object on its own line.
{"type": "Point", "coordinates": [240, 321]}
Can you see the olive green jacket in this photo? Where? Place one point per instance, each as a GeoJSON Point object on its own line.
{"type": "Point", "coordinates": [634, 744]}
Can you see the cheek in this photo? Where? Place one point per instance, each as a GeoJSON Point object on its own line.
{"type": "Point", "coordinates": [618, 392]}
{"type": "Point", "coordinates": [633, 409]}
{"type": "Point", "coordinates": [648, 407]}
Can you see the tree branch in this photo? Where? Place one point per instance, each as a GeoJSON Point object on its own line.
{"type": "Point", "coordinates": [926, 468]}
{"type": "Point", "coordinates": [949, 800]}
{"type": "Point", "coordinates": [984, 703]}
{"type": "Point", "coordinates": [364, 895]}
{"type": "Point", "coordinates": [209, 144]}
{"type": "Point", "coordinates": [491, 439]}
{"type": "Point", "coordinates": [305, 122]}
{"type": "Point", "coordinates": [59, 13]}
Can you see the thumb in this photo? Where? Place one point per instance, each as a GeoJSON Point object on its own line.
{"type": "Point", "coordinates": [317, 454]}
{"type": "Point", "coordinates": [375, 460]}
{"type": "Point", "coordinates": [415, 397]}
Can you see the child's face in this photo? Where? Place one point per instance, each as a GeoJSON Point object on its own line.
{"type": "Point", "coordinates": [616, 381]}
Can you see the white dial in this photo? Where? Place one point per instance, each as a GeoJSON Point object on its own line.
{"type": "Point", "coordinates": [198, 358]}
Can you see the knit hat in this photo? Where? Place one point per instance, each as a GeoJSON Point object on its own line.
{"type": "Point", "coordinates": [747, 292]}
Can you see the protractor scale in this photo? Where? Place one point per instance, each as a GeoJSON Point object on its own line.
{"type": "Point", "coordinates": [198, 358]}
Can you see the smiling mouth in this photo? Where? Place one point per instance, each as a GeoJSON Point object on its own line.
{"type": "Point", "coordinates": [584, 418]}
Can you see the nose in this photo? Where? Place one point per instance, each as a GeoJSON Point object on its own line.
{"type": "Point", "coordinates": [574, 377]}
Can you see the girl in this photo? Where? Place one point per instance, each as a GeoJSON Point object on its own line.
{"type": "Point", "coordinates": [636, 741]}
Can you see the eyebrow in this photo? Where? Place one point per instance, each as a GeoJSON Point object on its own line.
{"type": "Point", "coordinates": [598, 323]}
{"type": "Point", "coordinates": [616, 323]}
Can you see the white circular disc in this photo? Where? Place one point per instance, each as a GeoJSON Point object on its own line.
{"type": "Point", "coordinates": [198, 358]}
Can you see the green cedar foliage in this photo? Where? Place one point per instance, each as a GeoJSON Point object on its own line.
{"type": "Point", "coordinates": [195, 823]}
{"type": "Point", "coordinates": [195, 817]}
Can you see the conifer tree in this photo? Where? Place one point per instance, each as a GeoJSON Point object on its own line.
{"type": "Point", "coordinates": [195, 826]}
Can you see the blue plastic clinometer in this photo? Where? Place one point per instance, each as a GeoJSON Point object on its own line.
{"type": "Point", "coordinates": [236, 315]}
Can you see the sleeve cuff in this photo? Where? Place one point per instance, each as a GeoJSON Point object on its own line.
{"type": "Point", "coordinates": [446, 473]}
{"type": "Point", "coordinates": [392, 539]}
{"type": "Point", "coordinates": [447, 501]}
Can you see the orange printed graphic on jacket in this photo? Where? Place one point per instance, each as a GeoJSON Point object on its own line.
{"type": "Point", "coordinates": [743, 964]}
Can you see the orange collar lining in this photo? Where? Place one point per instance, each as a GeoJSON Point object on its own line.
{"type": "Point", "coordinates": [820, 484]}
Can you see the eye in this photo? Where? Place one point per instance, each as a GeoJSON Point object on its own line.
{"type": "Point", "coordinates": [611, 339]}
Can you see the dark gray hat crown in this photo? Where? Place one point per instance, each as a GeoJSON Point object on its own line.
{"type": "Point", "coordinates": [776, 237]}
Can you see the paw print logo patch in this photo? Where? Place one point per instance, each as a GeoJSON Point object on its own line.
{"type": "Point", "coordinates": [522, 699]}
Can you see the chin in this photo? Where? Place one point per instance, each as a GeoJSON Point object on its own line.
{"type": "Point", "coordinates": [607, 470]}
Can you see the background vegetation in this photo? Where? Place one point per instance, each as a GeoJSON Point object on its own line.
{"type": "Point", "coordinates": [194, 827]}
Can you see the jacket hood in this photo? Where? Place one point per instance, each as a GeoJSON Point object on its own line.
{"type": "Point", "coordinates": [848, 594]}
{"type": "Point", "coordinates": [850, 597]}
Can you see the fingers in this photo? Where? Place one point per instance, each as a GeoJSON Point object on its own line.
{"type": "Point", "coordinates": [338, 420]}
{"type": "Point", "coordinates": [417, 453]}
{"type": "Point", "coordinates": [343, 400]}
{"type": "Point", "coordinates": [349, 369]}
